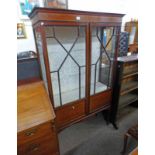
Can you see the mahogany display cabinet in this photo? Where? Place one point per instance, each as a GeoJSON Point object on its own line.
{"type": "Point", "coordinates": [77, 52]}
{"type": "Point", "coordinates": [125, 87]}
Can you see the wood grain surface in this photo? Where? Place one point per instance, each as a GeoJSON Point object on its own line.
{"type": "Point", "coordinates": [33, 106]}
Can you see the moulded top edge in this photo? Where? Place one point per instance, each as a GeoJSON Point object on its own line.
{"type": "Point", "coordinates": [52, 10]}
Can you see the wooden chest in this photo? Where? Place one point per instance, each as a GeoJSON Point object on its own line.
{"type": "Point", "coordinates": [36, 130]}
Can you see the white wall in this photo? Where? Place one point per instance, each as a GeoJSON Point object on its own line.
{"type": "Point", "coordinates": [28, 43]}
{"type": "Point", "coordinates": [127, 7]}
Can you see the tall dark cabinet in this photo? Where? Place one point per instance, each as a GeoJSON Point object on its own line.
{"type": "Point", "coordinates": [77, 51]}
{"type": "Point", "coordinates": [126, 86]}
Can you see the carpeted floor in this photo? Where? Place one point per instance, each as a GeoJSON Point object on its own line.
{"type": "Point", "coordinates": [94, 137]}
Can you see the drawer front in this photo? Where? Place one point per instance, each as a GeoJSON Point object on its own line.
{"type": "Point", "coordinates": [42, 146]}
{"type": "Point", "coordinates": [69, 113]}
{"type": "Point", "coordinates": [34, 133]}
{"type": "Point", "coordinates": [100, 100]}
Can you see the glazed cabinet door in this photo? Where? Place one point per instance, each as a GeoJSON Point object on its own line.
{"type": "Point", "coordinates": [103, 48]}
{"type": "Point", "coordinates": [66, 50]}
{"type": "Point", "coordinates": [62, 53]}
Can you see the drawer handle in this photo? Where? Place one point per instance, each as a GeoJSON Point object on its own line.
{"type": "Point", "coordinates": [73, 107]}
{"type": "Point", "coordinates": [30, 133]}
{"type": "Point", "coordinates": [33, 147]}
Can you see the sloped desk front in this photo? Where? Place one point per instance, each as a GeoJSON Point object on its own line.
{"type": "Point", "coordinates": [36, 129]}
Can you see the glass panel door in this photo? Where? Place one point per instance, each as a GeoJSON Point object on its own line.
{"type": "Point", "coordinates": [67, 60]}
{"type": "Point", "coordinates": [102, 54]}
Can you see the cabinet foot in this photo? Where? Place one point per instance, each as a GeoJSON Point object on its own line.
{"type": "Point", "coordinates": [115, 125]}
{"type": "Point", "coordinates": [106, 116]}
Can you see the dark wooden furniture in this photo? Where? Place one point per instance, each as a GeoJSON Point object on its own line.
{"type": "Point", "coordinates": [132, 132]}
{"type": "Point", "coordinates": [35, 117]}
{"type": "Point", "coordinates": [77, 52]}
{"type": "Point", "coordinates": [28, 69]}
{"type": "Point", "coordinates": [126, 85]}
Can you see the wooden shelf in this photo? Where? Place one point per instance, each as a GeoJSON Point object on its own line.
{"type": "Point", "coordinates": [129, 75]}
{"type": "Point", "coordinates": [125, 87]}
{"type": "Point", "coordinates": [127, 99]}
{"type": "Point", "coordinates": [129, 71]}
{"type": "Point", "coordinates": [129, 87]}
{"type": "Point", "coordinates": [73, 94]}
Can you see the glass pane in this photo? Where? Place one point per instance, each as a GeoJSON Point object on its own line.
{"type": "Point", "coordinates": [103, 48]}
{"type": "Point", "coordinates": [132, 35]}
{"type": "Point", "coordinates": [67, 60]}
{"type": "Point", "coordinates": [69, 77]}
{"type": "Point", "coordinates": [42, 63]}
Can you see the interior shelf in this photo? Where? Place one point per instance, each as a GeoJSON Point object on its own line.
{"type": "Point", "coordinates": [127, 99]}
{"type": "Point", "coordinates": [129, 75]}
{"type": "Point", "coordinates": [128, 87]}
{"type": "Point", "coordinates": [127, 72]}
{"type": "Point", "coordinates": [125, 86]}
{"type": "Point", "coordinates": [73, 94]}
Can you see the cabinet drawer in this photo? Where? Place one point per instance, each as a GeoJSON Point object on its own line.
{"type": "Point", "coordinates": [42, 146]}
{"type": "Point", "coordinates": [69, 113]}
{"type": "Point", "coordinates": [34, 133]}
{"type": "Point", "coordinates": [100, 100]}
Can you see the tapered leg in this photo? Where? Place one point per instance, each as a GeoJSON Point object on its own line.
{"type": "Point", "coordinates": [106, 115]}
{"type": "Point", "coordinates": [115, 125]}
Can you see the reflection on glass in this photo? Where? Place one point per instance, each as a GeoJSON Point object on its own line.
{"type": "Point", "coordinates": [42, 63]}
{"type": "Point", "coordinates": [103, 46]}
{"type": "Point", "coordinates": [132, 35]}
{"type": "Point", "coordinates": [66, 52]}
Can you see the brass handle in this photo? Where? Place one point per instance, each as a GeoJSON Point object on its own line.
{"type": "Point", "coordinates": [33, 147]}
{"type": "Point", "coordinates": [73, 107]}
{"type": "Point", "coordinates": [30, 133]}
